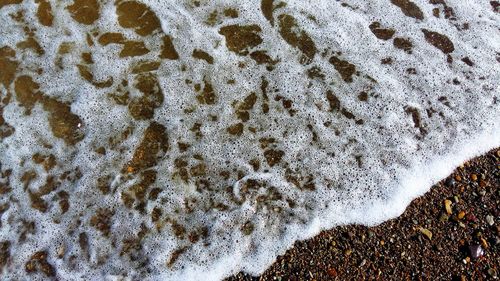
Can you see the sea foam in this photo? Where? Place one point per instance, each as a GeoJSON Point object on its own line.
{"type": "Point", "coordinates": [191, 140]}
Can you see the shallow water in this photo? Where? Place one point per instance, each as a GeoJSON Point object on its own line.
{"type": "Point", "coordinates": [188, 140]}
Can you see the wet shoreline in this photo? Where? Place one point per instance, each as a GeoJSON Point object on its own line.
{"type": "Point", "coordinates": [450, 233]}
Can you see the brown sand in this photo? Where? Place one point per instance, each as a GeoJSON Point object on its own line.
{"type": "Point", "coordinates": [427, 242]}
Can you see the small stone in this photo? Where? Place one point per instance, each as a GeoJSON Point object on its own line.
{"type": "Point", "coordinates": [471, 217]}
{"type": "Point", "coordinates": [332, 272]}
{"type": "Point", "coordinates": [444, 217]}
{"type": "Point", "coordinates": [447, 206]}
{"type": "Point", "coordinates": [450, 182]}
{"type": "Point", "coordinates": [484, 243]}
{"type": "Point", "coordinates": [476, 251]}
{"type": "Point", "coordinates": [458, 178]}
{"type": "Point", "coordinates": [426, 232]}
{"type": "Point", "coordinates": [461, 215]}
{"type": "Point", "coordinates": [473, 177]}
{"type": "Point", "coordinates": [492, 272]}
{"type": "Point", "coordinates": [490, 220]}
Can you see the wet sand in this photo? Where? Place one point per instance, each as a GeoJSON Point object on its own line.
{"type": "Point", "coordinates": [450, 233]}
